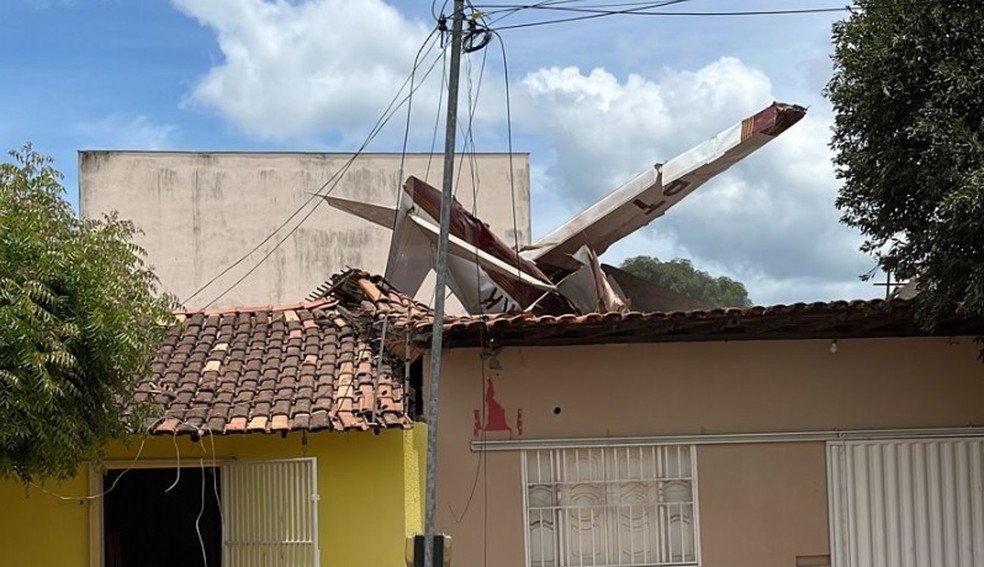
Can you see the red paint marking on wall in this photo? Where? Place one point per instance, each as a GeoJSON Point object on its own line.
{"type": "Point", "coordinates": [495, 418]}
{"type": "Point", "coordinates": [495, 414]}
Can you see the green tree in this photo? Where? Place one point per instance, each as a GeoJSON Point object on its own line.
{"type": "Point", "coordinates": [679, 275]}
{"type": "Point", "coordinates": [79, 322]}
{"type": "Point", "coordinates": [908, 93]}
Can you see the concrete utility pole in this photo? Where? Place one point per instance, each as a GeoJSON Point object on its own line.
{"type": "Point", "coordinates": [437, 336]}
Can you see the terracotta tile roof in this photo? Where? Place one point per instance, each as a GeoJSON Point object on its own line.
{"type": "Point", "coordinates": [309, 366]}
{"type": "Point", "coordinates": [325, 364]}
{"type": "Point", "coordinates": [835, 319]}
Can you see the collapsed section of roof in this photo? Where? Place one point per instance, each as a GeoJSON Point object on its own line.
{"type": "Point", "coordinates": [326, 364]}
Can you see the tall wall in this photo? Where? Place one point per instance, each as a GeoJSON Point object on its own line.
{"type": "Point", "coordinates": [369, 487]}
{"type": "Point", "coordinates": [200, 212]}
{"type": "Point", "coordinates": [760, 505]}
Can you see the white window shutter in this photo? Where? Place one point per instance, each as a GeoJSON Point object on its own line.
{"type": "Point", "coordinates": [907, 503]}
{"type": "Point", "coordinates": [270, 513]}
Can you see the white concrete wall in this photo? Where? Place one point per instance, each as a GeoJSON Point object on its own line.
{"type": "Point", "coordinates": [201, 211]}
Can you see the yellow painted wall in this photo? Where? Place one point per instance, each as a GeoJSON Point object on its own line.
{"type": "Point", "coordinates": [370, 489]}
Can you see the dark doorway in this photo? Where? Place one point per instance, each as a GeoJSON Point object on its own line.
{"type": "Point", "coordinates": [143, 526]}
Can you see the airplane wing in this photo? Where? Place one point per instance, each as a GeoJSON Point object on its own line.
{"type": "Point", "coordinates": [376, 214]}
{"type": "Point", "coordinates": [469, 251]}
{"type": "Point", "coordinates": [648, 195]}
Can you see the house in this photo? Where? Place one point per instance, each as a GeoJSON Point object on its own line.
{"type": "Point", "coordinates": [804, 435]}
{"type": "Point", "coordinates": [199, 212]}
{"type": "Point", "coordinates": [277, 436]}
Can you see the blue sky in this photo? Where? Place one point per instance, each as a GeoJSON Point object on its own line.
{"type": "Point", "coordinates": [594, 102]}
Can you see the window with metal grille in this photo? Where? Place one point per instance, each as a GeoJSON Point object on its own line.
{"type": "Point", "coordinates": [611, 506]}
{"type": "Point", "coordinates": [270, 513]}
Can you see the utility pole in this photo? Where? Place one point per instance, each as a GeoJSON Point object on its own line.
{"type": "Point", "coordinates": [437, 334]}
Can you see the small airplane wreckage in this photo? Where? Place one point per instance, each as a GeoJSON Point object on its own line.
{"type": "Point", "coordinates": [560, 273]}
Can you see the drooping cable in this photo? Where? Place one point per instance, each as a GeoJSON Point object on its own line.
{"type": "Point", "coordinates": [201, 512]}
{"type": "Point", "coordinates": [177, 457]}
{"type": "Point", "coordinates": [112, 486]}
{"type": "Point", "coordinates": [509, 141]}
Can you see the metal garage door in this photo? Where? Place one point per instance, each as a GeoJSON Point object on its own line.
{"type": "Point", "coordinates": [915, 503]}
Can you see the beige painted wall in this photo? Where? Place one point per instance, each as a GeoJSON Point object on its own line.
{"type": "Point", "coordinates": [201, 211]}
{"type": "Point", "coordinates": [761, 505]}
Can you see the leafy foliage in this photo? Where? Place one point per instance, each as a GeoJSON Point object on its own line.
{"type": "Point", "coordinates": [908, 91]}
{"type": "Point", "coordinates": [79, 323]}
{"type": "Point", "coordinates": [679, 275]}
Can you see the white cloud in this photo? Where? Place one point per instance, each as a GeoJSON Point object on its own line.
{"type": "Point", "coordinates": [769, 221]}
{"type": "Point", "coordinates": [293, 69]}
{"type": "Point", "coordinates": [290, 70]}
{"type": "Point", "coordinates": [125, 131]}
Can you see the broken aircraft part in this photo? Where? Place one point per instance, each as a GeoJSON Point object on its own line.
{"type": "Point", "coordinates": [560, 273]}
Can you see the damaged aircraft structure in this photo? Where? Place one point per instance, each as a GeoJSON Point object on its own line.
{"type": "Point", "coordinates": [560, 273]}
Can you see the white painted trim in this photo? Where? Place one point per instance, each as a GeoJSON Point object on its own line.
{"type": "Point", "coordinates": [729, 438]}
{"type": "Point", "coordinates": [316, 497]}
{"type": "Point", "coordinates": [695, 497]}
{"type": "Point", "coordinates": [526, 507]}
{"type": "Point", "coordinates": [95, 485]}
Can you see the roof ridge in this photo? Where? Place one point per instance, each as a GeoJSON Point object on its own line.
{"type": "Point", "coordinates": [257, 308]}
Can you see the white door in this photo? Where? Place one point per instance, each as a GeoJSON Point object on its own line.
{"type": "Point", "coordinates": [906, 503]}
{"type": "Point", "coordinates": [270, 513]}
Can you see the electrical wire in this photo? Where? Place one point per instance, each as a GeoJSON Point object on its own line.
{"type": "Point", "coordinates": [336, 179]}
{"type": "Point", "coordinates": [437, 117]}
{"type": "Point", "coordinates": [201, 512]}
{"type": "Point", "coordinates": [380, 122]}
{"type": "Point", "coordinates": [603, 7]}
{"type": "Point", "coordinates": [519, 7]}
{"type": "Point", "coordinates": [112, 486]}
{"type": "Point", "coordinates": [215, 481]}
{"type": "Point", "coordinates": [637, 12]}
{"type": "Point", "coordinates": [177, 467]}
{"type": "Point", "coordinates": [474, 91]}
{"type": "Point", "coordinates": [403, 151]}
{"type": "Point", "coordinates": [509, 138]}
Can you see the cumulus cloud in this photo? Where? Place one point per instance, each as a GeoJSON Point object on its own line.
{"type": "Point", "coordinates": [133, 132]}
{"type": "Point", "coordinates": [294, 69]}
{"type": "Point", "coordinates": [769, 221]}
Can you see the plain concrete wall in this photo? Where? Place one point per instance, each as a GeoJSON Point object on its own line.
{"type": "Point", "coordinates": [201, 211]}
{"type": "Point", "coordinates": [760, 505]}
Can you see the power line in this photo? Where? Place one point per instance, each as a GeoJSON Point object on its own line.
{"type": "Point", "coordinates": [546, 5]}
{"type": "Point", "coordinates": [437, 117]}
{"type": "Point", "coordinates": [592, 14]}
{"type": "Point", "coordinates": [331, 183]}
{"type": "Point", "coordinates": [561, 5]}
{"type": "Point", "coordinates": [337, 179]}
{"type": "Point", "coordinates": [380, 122]}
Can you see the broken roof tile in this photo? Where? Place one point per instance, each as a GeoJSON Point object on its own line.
{"type": "Point", "coordinates": [263, 369]}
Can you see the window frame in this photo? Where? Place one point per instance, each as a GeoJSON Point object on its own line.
{"type": "Point", "coordinates": [96, 473]}
{"type": "Point", "coordinates": [547, 448]}
{"type": "Point", "coordinates": [96, 513]}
